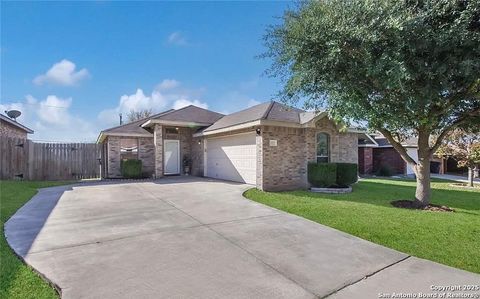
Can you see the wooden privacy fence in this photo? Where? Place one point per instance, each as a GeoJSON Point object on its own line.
{"type": "Point", "coordinates": [30, 160]}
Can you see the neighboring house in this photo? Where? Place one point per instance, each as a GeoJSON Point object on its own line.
{"type": "Point", "coordinates": [13, 129]}
{"type": "Point", "coordinates": [268, 145]}
{"type": "Point", "coordinates": [375, 152]}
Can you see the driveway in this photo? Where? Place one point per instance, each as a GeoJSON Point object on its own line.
{"type": "Point", "coordinates": [200, 238]}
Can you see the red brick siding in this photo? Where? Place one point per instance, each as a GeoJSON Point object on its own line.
{"type": "Point", "coordinates": [389, 157]}
{"type": "Point", "coordinates": [365, 160]}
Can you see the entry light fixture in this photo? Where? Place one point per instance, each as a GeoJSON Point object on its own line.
{"type": "Point", "coordinates": [258, 131]}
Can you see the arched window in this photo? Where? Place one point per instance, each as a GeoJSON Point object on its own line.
{"type": "Point", "coordinates": [323, 148]}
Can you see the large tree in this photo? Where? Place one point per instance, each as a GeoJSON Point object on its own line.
{"type": "Point", "coordinates": [405, 67]}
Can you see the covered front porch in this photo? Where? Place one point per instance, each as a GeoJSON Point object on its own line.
{"type": "Point", "coordinates": [165, 150]}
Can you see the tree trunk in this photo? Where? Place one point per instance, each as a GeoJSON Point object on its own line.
{"type": "Point", "coordinates": [423, 191]}
{"type": "Point", "coordinates": [422, 170]}
{"type": "Point", "coordinates": [470, 176]}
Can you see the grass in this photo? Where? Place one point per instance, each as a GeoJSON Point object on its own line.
{"type": "Point", "coordinates": [450, 238]}
{"type": "Point", "coordinates": [17, 280]}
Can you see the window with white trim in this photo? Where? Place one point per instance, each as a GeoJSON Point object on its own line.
{"type": "Point", "coordinates": [128, 148]}
{"type": "Point", "coordinates": [323, 148]}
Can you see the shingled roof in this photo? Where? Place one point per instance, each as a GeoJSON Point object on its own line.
{"type": "Point", "coordinates": [188, 114]}
{"type": "Point", "coordinates": [211, 121]}
{"type": "Point", "coordinates": [269, 110]}
{"type": "Point", "coordinates": [192, 114]}
{"type": "Point", "coordinates": [134, 127]}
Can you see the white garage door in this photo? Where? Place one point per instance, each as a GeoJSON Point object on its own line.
{"type": "Point", "coordinates": [232, 158]}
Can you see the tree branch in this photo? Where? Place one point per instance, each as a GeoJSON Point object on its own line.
{"type": "Point", "coordinates": [452, 126]}
{"type": "Point", "coordinates": [397, 145]}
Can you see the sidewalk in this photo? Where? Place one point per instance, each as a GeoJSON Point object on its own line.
{"type": "Point", "coordinates": [456, 178]}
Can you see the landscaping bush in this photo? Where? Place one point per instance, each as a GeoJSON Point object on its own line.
{"type": "Point", "coordinates": [322, 175]}
{"type": "Point", "coordinates": [347, 174]}
{"type": "Point", "coordinates": [384, 170]}
{"type": "Point", "coordinates": [131, 168]}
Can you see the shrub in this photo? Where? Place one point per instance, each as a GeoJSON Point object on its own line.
{"type": "Point", "coordinates": [347, 174]}
{"type": "Point", "coordinates": [322, 175]}
{"type": "Point", "coordinates": [384, 170]}
{"type": "Point", "coordinates": [131, 168]}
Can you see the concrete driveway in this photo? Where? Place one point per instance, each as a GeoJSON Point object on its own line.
{"type": "Point", "coordinates": [199, 238]}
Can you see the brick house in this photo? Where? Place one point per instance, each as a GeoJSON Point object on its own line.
{"type": "Point", "coordinates": [375, 152]}
{"type": "Point", "coordinates": [268, 145]}
{"type": "Point", "coordinates": [13, 129]}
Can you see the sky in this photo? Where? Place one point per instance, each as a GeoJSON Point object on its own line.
{"type": "Point", "coordinates": [71, 68]}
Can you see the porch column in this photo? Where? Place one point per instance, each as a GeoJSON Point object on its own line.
{"type": "Point", "coordinates": [158, 142]}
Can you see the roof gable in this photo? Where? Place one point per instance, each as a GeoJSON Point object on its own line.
{"type": "Point", "coordinates": [15, 123]}
{"type": "Point", "coordinates": [244, 116]}
{"type": "Point", "coordinates": [265, 111]}
{"type": "Point", "coordinates": [281, 112]}
{"type": "Point", "coordinates": [188, 114]}
{"type": "Point", "coordinates": [191, 114]}
{"type": "Point", "coordinates": [135, 126]}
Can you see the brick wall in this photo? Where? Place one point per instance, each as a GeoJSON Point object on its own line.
{"type": "Point", "coordinates": [343, 145]}
{"type": "Point", "coordinates": [285, 166]}
{"type": "Point", "coordinates": [197, 156]}
{"type": "Point", "coordinates": [113, 157]}
{"type": "Point", "coordinates": [390, 158]}
{"type": "Point", "coordinates": [158, 144]}
{"type": "Point", "coordinates": [146, 153]}
{"type": "Point", "coordinates": [365, 160]}
{"type": "Point", "coordinates": [11, 131]}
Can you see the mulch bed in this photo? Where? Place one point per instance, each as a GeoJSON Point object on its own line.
{"type": "Point", "coordinates": [409, 204]}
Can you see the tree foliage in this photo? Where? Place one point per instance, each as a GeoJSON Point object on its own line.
{"type": "Point", "coordinates": [406, 67]}
{"type": "Point", "coordinates": [400, 65]}
{"type": "Point", "coordinates": [138, 115]}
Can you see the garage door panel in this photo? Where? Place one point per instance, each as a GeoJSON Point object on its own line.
{"type": "Point", "coordinates": [232, 158]}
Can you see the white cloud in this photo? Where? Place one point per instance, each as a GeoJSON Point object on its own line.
{"type": "Point", "coordinates": [52, 110]}
{"type": "Point", "coordinates": [184, 102]}
{"type": "Point", "coordinates": [136, 102]}
{"type": "Point", "coordinates": [52, 120]}
{"type": "Point", "coordinates": [166, 95]}
{"type": "Point", "coordinates": [177, 38]}
{"type": "Point", "coordinates": [62, 73]}
{"type": "Point", "coordinates": [168, 84]}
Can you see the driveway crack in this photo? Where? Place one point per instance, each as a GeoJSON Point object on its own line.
{"type": "Point", "coordinates": [367, 276]}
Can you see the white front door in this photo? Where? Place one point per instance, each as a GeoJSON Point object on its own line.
{"type": "Point", "coordinates": [171, 158]}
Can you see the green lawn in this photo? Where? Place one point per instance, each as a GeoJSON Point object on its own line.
{"type": "Point", "coordinates": [448, 238]}
{"type": "Point", "coordinates": [16, 279]}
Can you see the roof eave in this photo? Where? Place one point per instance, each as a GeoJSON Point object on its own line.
{"type": "Point", "coordinates": [152, 122]}
{"type": "Point", "coordinates": [18, 125]}
{"type": "Point", "coordinates": [104, 135]}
